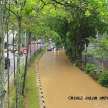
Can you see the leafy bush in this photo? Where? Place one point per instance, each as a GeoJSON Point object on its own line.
{"type": "Point", "coordinates": [90, 68]}
{"type": "Point", "coordinates": [103, 79]}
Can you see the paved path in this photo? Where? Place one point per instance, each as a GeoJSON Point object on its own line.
{"type": "Point", "coordinates": [60, 79]}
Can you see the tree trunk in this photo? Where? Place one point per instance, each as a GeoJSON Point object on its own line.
{"type": "Point", "coordinates": [8, 60]}
{"type": "Point", "coordinates": [14, 56]}
{"type": "Point", "coordinates": [18, 62]}
{"type": "Point", "coordinates": [26, 63]}
{"type": "Point", "coordinates": [2, 8]}
{"type": "Point", "coordinates": [85, 61]}
{"type": "Point", "coordinates": [30, 45]}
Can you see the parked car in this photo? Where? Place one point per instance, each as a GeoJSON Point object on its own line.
{"type": "Point", "coordinates": [7, 63]}
{"type": "Point", "coordinates": [14, 50]}
{"type": "Point", "coordinates": [50, 47]}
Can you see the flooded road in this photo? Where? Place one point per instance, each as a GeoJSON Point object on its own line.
{"type": "Point", "coordinates": [61, 82]}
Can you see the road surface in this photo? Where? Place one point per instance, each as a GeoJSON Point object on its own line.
{"type": "Point", "coordinates": [34, 48]}
{"type": "Point", "coordinates": [61, 80]}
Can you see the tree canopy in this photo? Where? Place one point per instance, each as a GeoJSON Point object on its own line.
{"type": "Point", "coordinates": [69, 23]}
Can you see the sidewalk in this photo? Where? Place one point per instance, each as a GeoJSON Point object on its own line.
{"type": "Point", "coordinates": [60, 80]}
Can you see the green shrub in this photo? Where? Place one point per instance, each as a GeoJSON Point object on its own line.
{"type": "Point", "coordinates": [90, 68]}
{"type": "Point", "coordinates": [103, 79]}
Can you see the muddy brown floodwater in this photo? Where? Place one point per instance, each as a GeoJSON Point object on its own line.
{"type": "Point", "coordinates": [65, 86]}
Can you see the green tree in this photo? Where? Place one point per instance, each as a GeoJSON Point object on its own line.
{"type": "Point", "coordinates": [2, 24]}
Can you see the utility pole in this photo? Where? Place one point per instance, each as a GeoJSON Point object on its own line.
{"type": "Point", "coordinates": [2, 90]}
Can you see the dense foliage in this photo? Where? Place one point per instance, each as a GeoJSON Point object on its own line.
{"type": "Point", "coordinates": [103, 79]}
{"type": "Point", "coordinates": [70, 23]}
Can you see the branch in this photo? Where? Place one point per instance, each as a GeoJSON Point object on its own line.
{"type": "Point", "coordinates": [43, 2]}
{"type": "Point", "coordinates": [12, 11]}
{"type": "Point", "coordinates": [64, 4]}
{"type": "Point", "coordinates": [22, 5]}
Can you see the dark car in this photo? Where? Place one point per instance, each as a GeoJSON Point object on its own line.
{"type": "Point", "coordinates": [7, 62]}
{"type": "Point", "coordinates": [49, 48]}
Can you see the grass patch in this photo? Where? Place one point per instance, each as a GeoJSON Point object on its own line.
{"type": "Point", "coordinates": [12, 97]}
{"type": "Point", "coordinates": [31, 91]}
{"type": "Point", "coordinates": [13, 91]}
{"type": "Point", "coordinates": [31, 99]}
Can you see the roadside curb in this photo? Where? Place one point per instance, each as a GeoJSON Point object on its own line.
{"type": "Point", "coordinates": [40, 88]}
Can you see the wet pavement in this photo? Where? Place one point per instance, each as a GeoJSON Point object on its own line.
{"type": "Point", "coordinates": [34, 48]}
{"type": "Point", "coordinates": [11, 69]}
{"type": "Point", "coordinates": [65, 86]}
